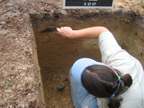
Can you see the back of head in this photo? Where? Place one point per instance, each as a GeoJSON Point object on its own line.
{"type": "Point", "coordinates": [102, 82]}
{"type": "Point", "coordinates": [99, 80]}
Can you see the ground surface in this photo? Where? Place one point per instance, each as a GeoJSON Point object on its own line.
{"type": "Point", "coordinates": [20, 78]}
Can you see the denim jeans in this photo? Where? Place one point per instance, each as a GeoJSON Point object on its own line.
{"type": "Point", "coordinates": [81, 98]}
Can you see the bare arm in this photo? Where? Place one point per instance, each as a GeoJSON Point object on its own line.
{"type": "Point", "coordinates": [91, 32]}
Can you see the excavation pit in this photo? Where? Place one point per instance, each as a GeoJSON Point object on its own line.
{"type": "Point", "coordinates": [20, 77]}
{"type": "Point", "coordinates": [57, 54]}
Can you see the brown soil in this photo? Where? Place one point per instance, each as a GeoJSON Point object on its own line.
{"type": "Point", "coordinates": [32, 64]}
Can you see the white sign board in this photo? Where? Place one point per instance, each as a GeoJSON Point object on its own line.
{"type": "Point", "coordinates": [72, 4]}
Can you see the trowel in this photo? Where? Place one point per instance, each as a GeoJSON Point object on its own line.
{"type": "Point", "coordinates": [62, 85]}
{"type": "Point", "coordinates": [49, 29]}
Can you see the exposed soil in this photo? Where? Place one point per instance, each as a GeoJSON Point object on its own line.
{"type": "Point", "coordinates": [32, 64]}
{"type": "Point", "coordinates": [57, 54]}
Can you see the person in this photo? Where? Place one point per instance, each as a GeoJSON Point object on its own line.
{"type": "Point", "coordinates": [116, 82]}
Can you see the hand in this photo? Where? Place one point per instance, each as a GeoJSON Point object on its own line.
{"type": "Point", "coordinates": [86, 107]}
{"type": "Point", "coordinates": [66, 32]}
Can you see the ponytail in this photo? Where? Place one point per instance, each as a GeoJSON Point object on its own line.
{"type": "Point", "coordinates": [127, 79]}
{"type": "Point", "coordinates": [114, 102]}
{"type": "Point", "coordinates": [125, 84]}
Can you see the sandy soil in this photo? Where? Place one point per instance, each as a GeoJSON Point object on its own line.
{"type": "Point", "coordinates": [20, 78]}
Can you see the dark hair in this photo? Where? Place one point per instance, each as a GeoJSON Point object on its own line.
{"type": "Point", "coordinates": [102, 82]}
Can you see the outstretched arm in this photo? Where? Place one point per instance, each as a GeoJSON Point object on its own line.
{"type": "Point", "coordinates": [91, 32]}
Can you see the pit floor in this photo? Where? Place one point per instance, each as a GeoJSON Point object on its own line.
{"type": "Point", "coordinates": [57, 54]}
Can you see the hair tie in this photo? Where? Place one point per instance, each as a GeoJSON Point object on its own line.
{"type": "Point", "coordinates": [112, 96]}
{"type": "Point", "coordinates": [119, 79]}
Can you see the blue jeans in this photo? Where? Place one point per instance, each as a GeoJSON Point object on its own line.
{"type": "Point", "coordinates": [81, 98]}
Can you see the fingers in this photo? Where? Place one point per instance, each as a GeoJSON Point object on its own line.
{"type": "Point", "coordinates": [65, 32]}
{"type": "Point", "coordinates": [86, 107]}
{"type": "Point", "coordinates": [59, 30]}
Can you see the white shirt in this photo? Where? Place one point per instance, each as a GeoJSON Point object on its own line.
{"type": "Point", "coordinates": [121, 60]}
